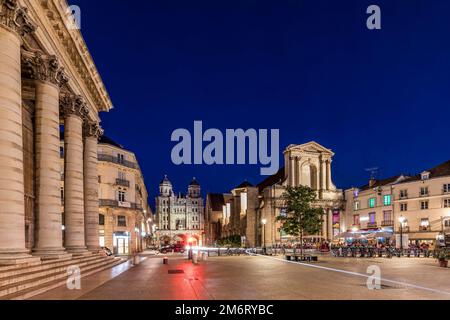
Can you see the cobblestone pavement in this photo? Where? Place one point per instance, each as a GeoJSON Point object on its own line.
{"type": "Point", "coordinates": [258, 278]}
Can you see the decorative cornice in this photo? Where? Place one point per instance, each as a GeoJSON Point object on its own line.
{"type": "Point", "coordinates": [77, 51]}
{"type": "Point", "coordinates": [16, 18]}
{"type": "Point", "coordinates": [73, 105]}
{"type": "Point", "coordinates": [92, 129]}
{"type": "Point", "coordinates": [44, 67]}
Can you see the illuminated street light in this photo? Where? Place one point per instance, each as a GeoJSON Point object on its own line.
{"type": "Point", "coordinates": [264, 222]}
{"type": "Point", "coordinates": [402, 220]}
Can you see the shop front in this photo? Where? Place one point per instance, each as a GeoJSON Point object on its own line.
{"type": "Point", "coordinates": [121, 243]}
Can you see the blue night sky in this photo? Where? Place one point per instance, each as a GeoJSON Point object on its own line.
{"type": "Point", "coordinates": [310, 68]}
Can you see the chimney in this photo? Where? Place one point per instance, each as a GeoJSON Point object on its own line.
{"type": "Point", "coordinates": [372, 182]}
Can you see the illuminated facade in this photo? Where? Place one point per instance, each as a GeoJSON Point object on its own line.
{"type": "Point", "coordinates": [180, 217]}
{"type": "Point", "coordinates": [422, 202]}
{"type": "Point", "coordinates": [247, 206]}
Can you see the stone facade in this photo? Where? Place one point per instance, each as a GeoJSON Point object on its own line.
{"type": "Point", "coordinates": [124, 211]}
{"type": "Point", "coordinates": [180, 217]}
{"type": "Point", "coordinates": [244, 209]}
{"type": "Point", "coordinates": [47, 80]}
{"type": "Point", "coordinates": [423, 201]}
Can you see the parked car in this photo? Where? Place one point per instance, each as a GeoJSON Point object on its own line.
{"type": "Point", "coordinates": [177, 248]}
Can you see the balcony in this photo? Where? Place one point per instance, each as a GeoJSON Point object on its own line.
{"type": "Point", "coordinates": [372, 225]}
{"type": "Point", "coordinates": [122, 183]}
{"type": "Point", "coordinates": [119, 204]}
{"type": "Point", "coordinates": [405, 229]}
{"type": "Point", "coordinates": [112, 159]}
{"type": "Point", "coordinates": [387, 223]}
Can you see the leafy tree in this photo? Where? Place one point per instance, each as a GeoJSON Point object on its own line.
{"type": "Point", "coordinates": [302, 218]}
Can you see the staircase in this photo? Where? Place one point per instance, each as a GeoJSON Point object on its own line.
{"type": "Point", "coordinates": [21, 282]}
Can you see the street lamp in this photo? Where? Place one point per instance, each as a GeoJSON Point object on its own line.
{"type": "Point", "coordinates": [402, 221]}
{"type": "Point", "coordinates": [264, 222]}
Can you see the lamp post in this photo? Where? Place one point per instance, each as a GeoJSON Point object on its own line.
{"type": "Point", "coordinates": [401, 220]}
{"type": "Point", "coordinates": [264, 222]}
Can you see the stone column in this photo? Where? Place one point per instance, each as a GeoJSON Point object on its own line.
{"type": "Point", "coordinates": [48, 78]}
{"type": "Point", "coordinates": [75, 110]}
{"type": "Point", "coordinates": [14, 23]}
{"type": "Point", "coordinates": [92, 132]}
{"type": "Point", "coordinates": [329, 183]}
{"type": "Point", "coordinates": [292, 171]}
{"type": "Point", "coordinates": [323, 169]}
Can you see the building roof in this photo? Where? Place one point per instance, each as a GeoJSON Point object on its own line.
{"type": "Point", "coordinates": [194, 182]}
{"type": "Point", "coordinates": [217, 201]}
{"type": "Point", "coordinates": [440, 170]}
{"type": "Point", "coordinates": [381, 182]}
{"type": "Point", "coordinates": [106, 140]}
{"type": "Point", "coordinates": [274, 179]}
{"type": "Point", "coordinates": [244, 184]}
{"type": "Point", "coordinates": [165, 180]}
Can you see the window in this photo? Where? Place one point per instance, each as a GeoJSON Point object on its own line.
{"type": "Point", "coordinates": [61, 152]}
{"type": "Point", "coordinates": [425, 175]}
{"type": "Point", "coordinates": [357, 205]}
{"type": "Point", "coordinates": [387, 200]}
{"type": "Point", "coordinates": [62, 195]}
{"type": "Point", "coordinates": [121, 221]}
{"type": "Point", "coordinates": [120, 158]}
{"type": "Point", "coordinates": [424, 224]}
{"type": "Point", "coordinates": [387, 216]}
{"type": "Point", "coordinates": [447, 223]}
{"type": "Point", "coordinates": [372, 219]}
{"type": "Point", "coordinates": [424, 205]}
{"type": "Point", "coordinates": [121, 196]}
{"type": "Point", "coordinates": [447, 203]}
{"type": "Point", "coordinates": [99, 179]}
{"type": "Point", "coordinates": [446, 188]}
{"type": "Point", "coordinates": [403, 207]}
{"type": "Point", "coordinates": [403, 194]}
{"type": "Point", "coordinates": [372, 202]}
{"type": "Point", "coordinates": [356, 221]}
{"type": "Point", "coordinates": [423, 191]}
{"type": "Point", "coordinates": [101, 219]}
{"type": "Point", "coordinates": [122, 175]}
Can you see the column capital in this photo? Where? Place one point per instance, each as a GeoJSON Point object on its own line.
{"type": "Point", "coordinates": [15, 17]}
{"type": "Point", "coordinates": [92, 129]}
{"type": "Point", "coordinates": [44, 68]}
{"type": "Point", "coordinates": [71, 104]}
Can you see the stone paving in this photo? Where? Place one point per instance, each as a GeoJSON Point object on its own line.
{"type": "Point", "coordinates": [263, 278]}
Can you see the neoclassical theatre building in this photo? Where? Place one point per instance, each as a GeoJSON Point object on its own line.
{"type": "Point", "coordinates": [47, 80]}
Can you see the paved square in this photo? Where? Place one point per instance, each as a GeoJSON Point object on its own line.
{"type": "Point", "coordinates": [248, 278]}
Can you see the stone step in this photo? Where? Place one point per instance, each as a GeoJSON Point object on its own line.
{"type": "Point", "coordinates": [46, 265]}
{"type": "Point", "coordinates": [31, 292]}
{"type": "Point", "coordinates": [62, 275]}
{"type": "Point", "coordinates": [48, 270]}
{"type": "Point", "coordinates": [39, 263]}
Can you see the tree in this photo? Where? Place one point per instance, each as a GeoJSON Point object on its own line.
{"type": "Point", "coordinates": [302, 218]}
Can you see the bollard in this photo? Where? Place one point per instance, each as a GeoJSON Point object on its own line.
{"type": "Point", "coordinates": [135, 260]}
{"type": "Point", "coordinates": [205, 256]}
{"type": "Point", "coordinates": [165, 260]}
{"type": "Point", "coordinates": [195, 258]}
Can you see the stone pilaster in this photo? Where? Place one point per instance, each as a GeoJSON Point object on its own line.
{"type": "Point", "coordinates": [13, 24]}
{"type": "Point", "coordinates": [75, 111]}
{"type": "Point", "coordinates": [49, 77]}
{"type": "Point", "coordinates": [92, 132]}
